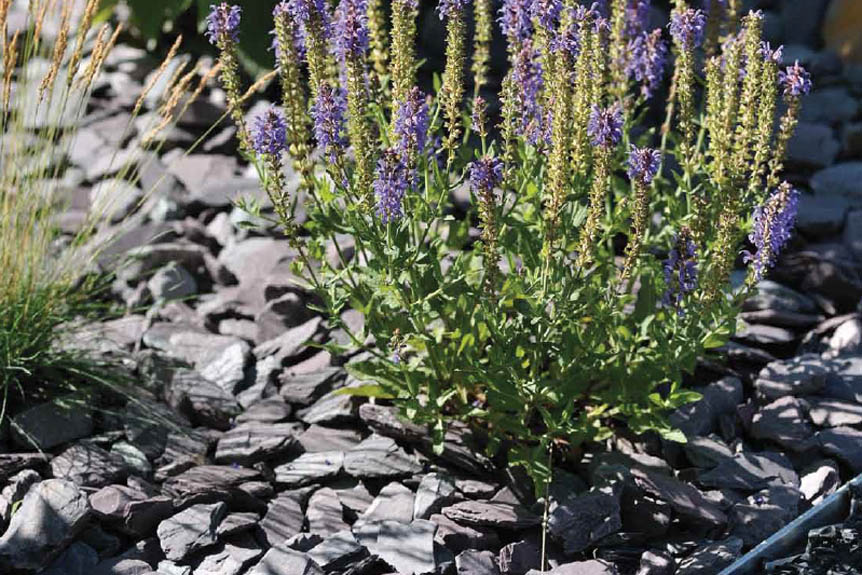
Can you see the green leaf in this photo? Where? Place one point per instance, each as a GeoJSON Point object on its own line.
{"type": "Point", "coordinates": [365, 391]}
{"type": "Point", "coordinates": [674, 435]}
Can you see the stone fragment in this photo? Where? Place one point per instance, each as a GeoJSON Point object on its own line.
{"type": "Point", "coordinates": [252, 442]}
{"type": "Point", "coordinates": [799, 376]}
{"type": "Point", "coordinates": [338, 552]}
{"type": "Point", "coordinates": [379, 457]}
{"type": "Point", "coordinates": [591, 567]}
{"type": "Point", "coordinates": [750, 472]}
{"type": "Point", "coordinates": [491, 514]}
{"type": "Point", "coordinates": [88, 465]}
{"type": "Point", "coordinates": [305, 389]}
{"type": "Point", "coordinates": [282, 560]}
{"type": "Point", "coordinates": [200, 400]}
{"type": "Point", "coordinates": [237, 522]}
{"type": "Point", "coordinates": [472, 562]}
{"type": "Point", "coordinates": [819, 480]}
{"type": "Point", "coordinates": [519, 557]}
{"type": "Point", "coordinates": [135, 459]}
{"type": "Point", "coordinates": [395, 502]}
{"type": "Point", "coordinates": [325, 514]}
{"type": "Point", "coordinates": [656, 563]}
{"type": "Point", "coordinates": [283, 519]}
{"type": "Point", "coordinates": [78, 559]}
{"type": "Point", "coordinates": [318, 438]}
{"type": "Point", "coordinates": [50, 516]}
{"type": "Point", "coordinates": [310, 468]}
{"type": "Point", "coordinates": [172, 281]}
{"type": "Point", "coordinates": [711, 558]}
{"type": "Point", "coordinates": [841, 179]}
{"type": "Point", "coordinates": [332, 408]}
{"type": "Point", "coordinates": [231, 558]}
{"type": "Point", "coordinates": [833, 413]}
{"type": "Point", "coordinates": [190, 530]}
{"type": "Point", "coordinates": [783, 421]}
{"type": "Point", "coordinates": [409, 548]}
{"type": "Point", "coordinates": [435, 491]}
{"type": "Point", "coordinates": [48, 425]}
{"type": "Point", "coordinates": [813, 146]}
{"type": "Point", "coordinates": [843, 443]}
{"type": "Point", "coordinates": [685, 499]}
{"type": "Point", "coordinates": [582, 521]}
{"type": "Point", "coordinates": [207, 482]}
{"type": "Point", "coordinates": [700, 417]}
{"type": "Point", "coordinates": [130, 510]}
{"type": "Point", "coordinates": [270, 410]}
{"type": "Point", "coordinates": [457, 538]}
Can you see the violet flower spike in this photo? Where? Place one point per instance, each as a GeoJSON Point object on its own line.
{"type": "Point", "coordinates": [516, 19]}
{"type": "Point", "coordinates": [646, 64]}
{"type": "Point", "coordinates": [328, 113]}
{"type": "Point", "coordinates": [223, 23]}
{"type": "Point", "coordinates": [687, 27]}
{"type": "Point", "coordinates": [411, 122]}
{"type": "Point", "coordinates": [449, 8]}
{"type": "Point", "coordinates": [547, 14]}
{"type": "Point", "coordinates": [643, 164]}
{"type": "Point", "coordinates": [390, 186]}
{"type": "Point", "coordinates": [605, 126]}
{"type": "Point", "coordinates": [769, 54]}
{"type": "Point", "coordinates": [303, 10]}
{"type": "Point", "coordinates": [796, 80]}
{"type": "Point", "coordinates": [269, 133]}
{"type": "Point", "coordinates": [773, 226]}
{"type": "Point", "coordinates": [485, 175]}
{"type": "Point", "coordinates": [680, 271]}
{"type": "Point", "coordinates": [351, 29]}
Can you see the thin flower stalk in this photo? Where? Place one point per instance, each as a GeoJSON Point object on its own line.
{"type": "Point", "coordinates": [452, 91]}
{"type": "Point", "coordinates": [379, 44]}
{"type": "Point", "coordinates": [83, 29]}
{"type": "Point", "coordinates": [643, 164]}
{"type": "Point", "coordinates": [404, 13]}
{"type": "Point", "coordinates": [484, 22]}
{"type": "Point", "coordinates": [795, 83]}
{"type": "Point", "coordinates": [773, 223]}
{"type": "Point", "coordinates": [294, 97]}
{"type": "Point", "coordinates": [486, 174]}
{"type": "Point", "coordinates": [59, 54]}
{"type": "Point", "coordinates": [223, 32]}
{"type": "Point", "coordinates": [751, 88]}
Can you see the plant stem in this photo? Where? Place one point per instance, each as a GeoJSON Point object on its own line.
{"type": "Point", "coordinates": [543, 563]}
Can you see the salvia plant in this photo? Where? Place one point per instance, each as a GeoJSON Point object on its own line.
{"type": "Point", "coordinates": [594, 264]}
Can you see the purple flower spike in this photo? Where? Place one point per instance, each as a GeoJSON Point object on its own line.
{"type": "Point", "coordinates": [516, 20]}
{"type": "Point", "coordinates": [223, 23]}
{"type": "Point", "coordinates": [686, 27]}
{"type": "Point", "coordinates": [269, 133]}
{"type": "Point", "coordinates": [485, 175]}
{"type": "Point", "coordinates": [547, 13]}
{"type": "Point", "coordinates": [796, 80]}
{"type": "Point", "coordinates": [773, 220]}
{"type": "Point", "coordinates": [605, 126]}
{"type": "Point", "coordinates": [411, 122]}
{"type": "Point", "coordinates": [637, 17]}
{"type": "Point", "coordinates": [449, 8]}
{"type": "Point", "coordinates": [390, 185]}
{"type": "Point", "coordinates": [769, 54]}
{"type": "Point", "coordinates": [351, 29]}
{"type": "Point", "coordinates": [281, 10]}
{"type": "Point", "coordinates": [680, 271]}
{"type": "Point", "coordinates": [529, 81]}
{"type": "Point", "coordinates": [643, 164]}
{"type": "Point", "coordinates": [302, 10]}
{"type": "Point", "coordinates": [646, 65]}
{"type": "Point", "coordinates": [328, 114]}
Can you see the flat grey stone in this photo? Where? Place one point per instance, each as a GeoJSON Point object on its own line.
{"type": "Point", "coordinates": [284, 518]}
{"type": "Point", "coordinates": [581, 521]}
{"type": "Point", "coordinates": [457, 537]}
{"type": "Point", "coordinates": [318, 438]}
{"type": "Point", "coordinates": [48, 425]}
{"type": "Point", "coordinates": [331, 408]}
{"type": "Point", "coordinates": [711, 558]}
{"type": "Point", "coordinates": [394, 503]}
{"type": "Point", "coordinates": [819, 480]}
{"type": "Point", "coordinates": [238, 522]}
{"type": "Point", "coordinates": [251, 442]}
{"type": "Point", "coordinates": [172, 281]}
{"type": "Point", "coordinates": [200, 400]}
{"type": "Point", "coordinates": [843, 443]}
{"type": "Point", "coordinates": [290, 343]}
{"type": "Point", "coordinates": [409, 548]}
{"type": "Point", "coordinates": [833, 413]}
{"type": "Point", "coordinates": [472, 562]}
{"type": "Point", "coordinates": [829, 105]}
{"type": "Point", "coordinates": [129, 510]}
{"type": "Point", "coordinates": [310, 468]}
{"type": "Point", "coordinates": [853, 232]}
{"type": "Point", "coordinates": [338, 552]}
{"type": "Point", "coordinates": [50, 516]}
{"type": "Point", "coordinates": [813, 146]}
{"type": "Point", "coordinates": [220, 359]}
{"type": "Point", "coordinates": [783, 422]}
{"type": "Point", "coordinates": [325, 514]}
{"type": "Point", "coordinates": [304, 542]}
{"type": "Point", "coordinates": [282, 560]}
{"type": "Point", "coordinates": [591, 567]}
{"type": "Point", "coordinates": [122, 566]}
{"type": "Point", "coordinates": [357, 498]}
{"type": "Point", "coordinates": [799, 376]}
{"type": "Point", "coordinates": [519, 557]}
{"type": "Point", "coordinates": [231, 558]}
{"type": "Point", "coordinates": [88, 465]}
{"type": "Point", "coordinates": [492, 514]}
{"type": "Point", "coordinates": [841, 179]}
{"type": "Point", "coordinates": [700, 417]}
{"type": "Point", "coordinates": [190, 530]}
{"type": "Point", "coordinates": [706, 452]}
{"type": "Point", "coordinates": [207, 482]}
{"type": "Point", "coordinates": [434, 492]}
{"type": "Point", "coordinates": [270, 410]}
{"type": "Point", "coordinates": [750, 472]}
{"type": "Point", "coordinates": [656, 563]}
{"type": "Point", "coordinates": [687, 501]}
{"type": "Point", "coordinates": [305, 389]}
{"type": "Point", "coordinates": [379, 457]}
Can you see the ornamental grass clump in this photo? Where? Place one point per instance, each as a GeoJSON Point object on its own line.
{"type": "Point", "coordinates": [601, 266]}
{"type": "Point", "coordinates": [48, 278]}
